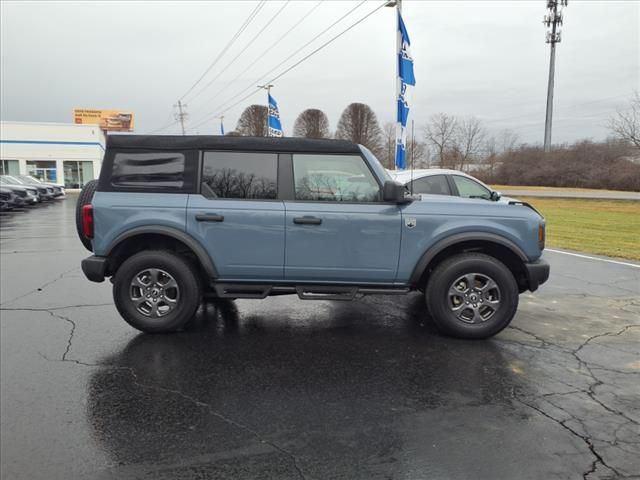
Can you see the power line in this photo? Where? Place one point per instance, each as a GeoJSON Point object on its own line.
{"type": "Point", "coordinates": [331, 40]}
{"type": "Point", "coordinates": [237, 56]}
{"type": "Point", "coordinates": [259, 80]}
{"type": "Point", "coordinates": [242, 28]}
{"type": "Point", "coordinates": [261, 55]}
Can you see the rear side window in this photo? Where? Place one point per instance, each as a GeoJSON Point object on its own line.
{"type": "Point", "coordinates": [153, 171]}
{"type": "Point", "coordinates": [241, 175]}
{"type": "Point", "coordinates": [434, 184]}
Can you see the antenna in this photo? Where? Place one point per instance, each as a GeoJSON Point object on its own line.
{"type": "Point", "coordinates": [413, 149]}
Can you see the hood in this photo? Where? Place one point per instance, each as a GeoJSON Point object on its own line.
{"type": "Point", "coordinates": [430, 204]}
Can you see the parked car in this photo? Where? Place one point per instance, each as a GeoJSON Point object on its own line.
{"type": "Point", "coordinates": [43, 192]}
{"type": "Point", "coordinates": [53, 190]}
{"type": "Point", "coordinates": [10, 198]}
{"type": "Point", "coordinates": [58, 190]}
{"type": "Point", "coordinates": [175, 217]}
{"type": "Point", "coordinates": [28, 194]}
{"type": "Point", "coordinates": [437, 181]}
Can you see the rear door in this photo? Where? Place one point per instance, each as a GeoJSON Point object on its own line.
{"type": "Point", "coordinates": [337, 227]}
{"type": "Point", "coordinates": [237, 216]}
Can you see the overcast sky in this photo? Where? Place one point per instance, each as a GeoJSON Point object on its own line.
{"type": "Point", "coordinates": [482, 58]}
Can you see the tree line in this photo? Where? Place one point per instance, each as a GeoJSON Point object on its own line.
{"type": "Point", "coordinates": [464, 143]}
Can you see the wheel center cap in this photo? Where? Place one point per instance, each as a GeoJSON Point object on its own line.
{"type": "Point", "coordinates": [155, 292]}
{"type": "Point", "coordinates": [473, 297]}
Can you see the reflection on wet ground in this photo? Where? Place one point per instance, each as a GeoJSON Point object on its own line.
{"type": "Point", "coordinates": [284, 388]}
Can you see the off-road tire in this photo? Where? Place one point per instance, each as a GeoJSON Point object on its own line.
{"type": "Point", "coordinates": [179, 269]}
{"type": "Point", "coordinates": [85, 197]}
{"type": "Point", "coordinates": [439, 298]}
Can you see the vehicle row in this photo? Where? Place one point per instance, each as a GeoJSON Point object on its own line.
{"type": "Point", "coordinates": [17, 191]}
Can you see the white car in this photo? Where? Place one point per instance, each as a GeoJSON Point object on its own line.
{"type": "Point", "coordinates": [437, 181]}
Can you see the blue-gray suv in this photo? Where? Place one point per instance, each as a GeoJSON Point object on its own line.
{"type": "Point", "coordinates": [174, 218]}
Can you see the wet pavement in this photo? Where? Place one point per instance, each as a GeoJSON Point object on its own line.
{"type": "Point", "coordinates": [290, 389]}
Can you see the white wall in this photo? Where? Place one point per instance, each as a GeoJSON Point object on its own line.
{"type": "Point", "coordinates": [24, 141]}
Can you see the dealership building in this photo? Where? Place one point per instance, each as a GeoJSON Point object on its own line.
{"type": "Point", "coordinates": [63, 153]}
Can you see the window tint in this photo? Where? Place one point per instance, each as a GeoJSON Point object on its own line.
{"type": "Point", "coordinates": [470, 188]}
{"type": "Point", "coordinates": [152, 171]}
{"type": "Point", "coordinates": [434, 184]}
{"type": "Point", "coordinates": [241, 175]}
{"type": "Point", "coordinates": [334, 178]}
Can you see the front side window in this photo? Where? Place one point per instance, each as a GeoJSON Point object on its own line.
{"type": "Point", "coordinates": [149, 171]}
{"type": "Point", "coordinates": [334, 178]}
{"type": "Point", "coordinates": [241, 175]}
{"type": "Point", "coordinates": [434, 184]}
{"type": "Point", "coordinates": [469, 188]}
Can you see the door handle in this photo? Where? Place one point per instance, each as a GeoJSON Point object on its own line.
{"type": "Point", "coordinates": [209, 217]}
{"type": "Point", "coordinates": [306, 220]}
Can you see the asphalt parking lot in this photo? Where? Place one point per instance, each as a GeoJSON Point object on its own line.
{"type": "Point", "coordinates": [283, 388]}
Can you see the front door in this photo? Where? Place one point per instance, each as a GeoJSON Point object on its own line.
{"type": "Point", "coordinates": [238, 218]}
{"type": "Point", "coordinates": [337, 227]}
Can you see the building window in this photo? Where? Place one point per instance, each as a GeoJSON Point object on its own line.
{"type": "Point", "coordinates": [77, 174]}
{"type": "Point", "coordinates": [9, 167]}
{"type": "Point", "coordinates": [43, 170]}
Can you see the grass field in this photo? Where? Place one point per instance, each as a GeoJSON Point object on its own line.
{"type": "Point", "coordinates": [603, 227]}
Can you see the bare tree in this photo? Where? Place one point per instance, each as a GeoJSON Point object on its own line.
{"type": "Point", "coordinates": [312, 123]}
{"type": "Point", "coordinates": [359, 124]}
{"type": "Point", "coordinates": [417, 150]}
{"type": "Point", "coordinates": [440, 132]}
{"type": "Point", "coordinates": [253, 121]}
{"type": "Point", "coordinates": [232, 133]}
{"type": "Point", "coordinates": [468, 140]}
{"type": "Point", "coordinates": [625, 124]}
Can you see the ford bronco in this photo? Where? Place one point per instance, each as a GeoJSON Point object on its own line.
{"type": "Point", "coordinates": [174, 218]}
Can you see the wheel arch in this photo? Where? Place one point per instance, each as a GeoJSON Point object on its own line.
{"type": "Point", "coordinates": [494, 245]}
{"type": "Point", "coordinates": [158, 236]}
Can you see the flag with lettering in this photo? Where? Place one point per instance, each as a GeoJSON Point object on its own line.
{"type": "Point", "coordinates": [406, 78]}
{"type": "Point", "coordinates": [275, 127]}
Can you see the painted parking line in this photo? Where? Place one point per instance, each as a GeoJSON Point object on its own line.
{"type": "Point", "coordinates": [635, 265]}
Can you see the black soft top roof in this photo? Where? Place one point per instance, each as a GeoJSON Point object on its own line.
{"type": "Point", "coordinates": [217, 142]}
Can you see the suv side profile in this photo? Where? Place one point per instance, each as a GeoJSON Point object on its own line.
{"type": "Point", "coordinates": [173, 218]}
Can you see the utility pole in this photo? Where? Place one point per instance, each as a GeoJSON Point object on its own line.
{"type": "Point", "coordinates": [268, 89]}
{"type": "Point", "coordinates": [553, 19]}
{"type": "Point", "coordinates": [181, 115]}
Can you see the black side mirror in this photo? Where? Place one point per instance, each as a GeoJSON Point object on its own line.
{"type": "Point", "coordinates": [395, 192]}
{"type": "Point", "coordinates": [495, 196]}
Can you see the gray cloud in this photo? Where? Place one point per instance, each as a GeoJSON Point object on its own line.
{"type": "Point", "coordinates": [482, 58]}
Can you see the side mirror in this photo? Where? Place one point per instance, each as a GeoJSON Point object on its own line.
{"type": "Point", "coordinates": [495, 196]}
{"type": "Point", "coordinates": [394, 192]}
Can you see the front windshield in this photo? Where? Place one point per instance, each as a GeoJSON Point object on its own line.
{"type": "Point", "coordinates": [375, 164]}
{"type": "Point", "coordinates": [29, 178]}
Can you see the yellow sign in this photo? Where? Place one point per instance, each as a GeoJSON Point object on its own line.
{"type": "Point", "coordinates": [110, 120]}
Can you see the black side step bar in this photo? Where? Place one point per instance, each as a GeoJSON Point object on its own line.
{"type": "Point", "coordinates": [304, 292]}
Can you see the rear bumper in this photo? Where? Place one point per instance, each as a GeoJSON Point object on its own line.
{"type": "Point", "coordinates": [537, 273]}
{"type": "Point", "coordinates": [94, 267]}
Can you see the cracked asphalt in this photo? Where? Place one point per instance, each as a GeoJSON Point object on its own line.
{"type": "Point", "coordinates": [287, 389]}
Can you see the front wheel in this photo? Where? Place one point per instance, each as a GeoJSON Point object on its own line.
{"type": "Point", "coordinates": [157, 291]}
{"type": "Point", "coordinates": [472, 295]}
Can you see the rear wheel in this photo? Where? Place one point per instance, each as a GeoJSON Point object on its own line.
{"type": "Point", "coordinates": [472, 295]}
{"type": "Point", "coordinates": [157, 291]}
{"type": "Point", "coordinates": [85, 197]}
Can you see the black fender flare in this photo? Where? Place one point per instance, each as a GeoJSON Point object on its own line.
{"type": "Point", "coordinates": [195, 246]}
{"type": "Point", "coordinates": [434, 250]}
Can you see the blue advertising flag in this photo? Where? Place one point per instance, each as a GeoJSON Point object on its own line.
{"type": "Point", "coordinates": [221, 128]}
{"type": "Point", "coordinates": [275, 127]}
{"type": "Point", "coordinates": [406, 78]}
